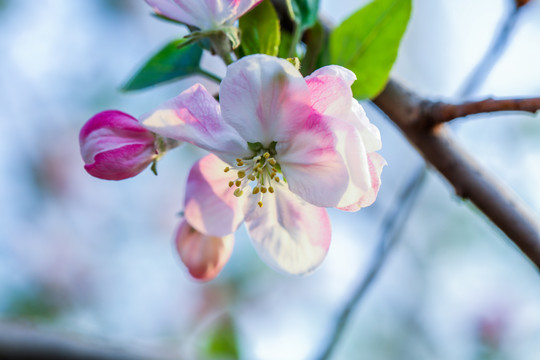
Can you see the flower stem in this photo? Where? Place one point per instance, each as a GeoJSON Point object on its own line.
{"type": "Point", "coordinates": [297, 35]}
{"type": "Point", "coordinates": [222, 47]}
{"type": "Point", "coordinates": [210, 75]}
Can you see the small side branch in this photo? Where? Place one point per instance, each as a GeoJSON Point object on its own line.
{"type": "Point", "coordinates": [467, 177]}
{"type": "Point", "coordinates": [439, 112]}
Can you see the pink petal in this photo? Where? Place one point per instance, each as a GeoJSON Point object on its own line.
{"type": "Point", "coordinates": [311, 164]}
{"type": "Point", "coordinates": [330, 89]}
{"type": "Point", "coordinates": [331, 94]}
{"type": "Point", "coordinates": [115, 146]}
{"type": "Point", "coordinates": [194, 116]}
{"type": "Point", "coordinates": [376, 163]}
{"type": "Point", "coordinates": [121, 163]}
{"type": "Point", "coordinates": [204, 14]}
{"type": "Point", "coordinates": [203, 255]}
{"type": "Point", "coordinates": [289, 234]}
{"type": "Point", "coordinates": [369, 132]}
{"type": "Point", "coordinates": [210, 205]}
{"type": "Point", "coordinates": [245, 5]}
{"type": "Point", "coordinates": [264, 98]}
{"type": "Point", "coordinates": [335, 71]}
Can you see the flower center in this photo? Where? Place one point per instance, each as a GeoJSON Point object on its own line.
{"type": "Point", "coordinates": [260, 169]}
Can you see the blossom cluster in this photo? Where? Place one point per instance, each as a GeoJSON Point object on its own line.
{"type": "Point", "coordinates": [281, 149]}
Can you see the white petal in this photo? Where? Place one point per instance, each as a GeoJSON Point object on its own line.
{"type": "Point", "coordinates": [312, 165]}
{"type": "Point", "coordinates": [210, 204]}
{"type": "Point", "coordinates": [264, 98]}
{"type": "Point", "coordinates": [289, 234]}
{"type": "Point", "coordinates": [194, 116]}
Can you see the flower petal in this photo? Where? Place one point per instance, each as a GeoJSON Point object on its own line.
{"type": "Point", "coordinates": [194, 116]}
{"type": "Point", "coordinates": [330, 90]}
{"type": "Point", "coordinates": [369, 132]}
{"type": "Point", "coordinates": [313, 168]}
{"type": "Point", "coordinates": [264, 98]}
{"type": "Point", "coordinates": [115, 146]}
{"type": "Point", "coordinates": [244, 6]}
{"type": "Point", "coordinates": [203, 255]}
{"type": "Point", "coordinates": [289, 234]}
{"type": "Point", "coordinates": [210, 205]}
{"type": "Point", "coordinates": [376, 163]}
{"type": "Point", "coordinates": [204, 14]}
{"type": "Point", "coordinates": [331, 94]}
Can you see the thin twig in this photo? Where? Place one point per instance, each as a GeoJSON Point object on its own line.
{"type": "Point", "coordinates": [392, 225]}
{"type": "Point", "coordinates": [484, 67]}
{"type": "Point", "coordinates": [440, 112]}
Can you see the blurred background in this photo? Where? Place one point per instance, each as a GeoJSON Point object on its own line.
{"type": "Point", "coordinates": [95, 258]}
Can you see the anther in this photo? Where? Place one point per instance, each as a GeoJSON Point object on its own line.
{"type": "Point", "coordinates": [263, 189]}
{"type": "Point", "coordinates": [276, 179]}
{"type": "Point", "coordinates": [266, 155]}
{"type": "Point", "coordinates": [238, 192]}
{"type": "Point", "coordinates": [237, 183]}
{"type": "Point", "coordinates": [272, 161]}
{"type": "Point", "coordinates": [251, 177]}
{"type": "Point", "coordinates": [255, 191]}
{"type": "Point", "coordinates": [231, 183]}
{"type": "Point", "coordinates": [241, 174]}
{"type": "Point", "coordinates": [227, 169]}
{"type": "Point", "coordinates": [271, 190]}
{"type": "Point", "coordinates": [260, 203]}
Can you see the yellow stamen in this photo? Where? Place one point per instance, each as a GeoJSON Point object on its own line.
{"type": "Point", "coordinates": [251, 177]}
{"type": "Point", "coordinates": [276, 179]}
{"type": "Point", "coordinates": [266, 155]}
{"type": "Point", "coordinates": [227, 169]}
{"type": "Point", "coordinates": [241, 174]}
{"type": "Point", "coordinates": [271, 190]}
{"type": "Point", "coordinates": [260, 203]}
{"type": "Point", "coordinates": [231, 183]}
{"type": "Point", "coordinates": [255, 191]}
{"type": "Point", "coordinates": [263, 189]}
{"type": "Point", "coordinates": [237, 183]}
{"type": "Point", "coordinates": [238, 192]}
{"type": "Point", "coordinates": [272, 161]}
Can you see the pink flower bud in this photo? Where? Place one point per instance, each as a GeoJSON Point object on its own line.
{"type": "Point", "coordinates": [114, 146]}
{"type": "Point", "coordinates": [203, 255]}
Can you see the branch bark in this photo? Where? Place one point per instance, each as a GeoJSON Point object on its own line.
{"type": "Point", "coordinates": [439, 112]}
{"type": "Point", "coordinates": [22, 342]}
{"type": "Point", "coordinates": [470, 181]}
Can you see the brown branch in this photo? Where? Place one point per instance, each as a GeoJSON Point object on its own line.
{"type": "Point", "coordinates": [23, 342]}
{"type": "Point", "coordinates": [469, 180]}
{"type": "Point", "coordinates": [439, 112]}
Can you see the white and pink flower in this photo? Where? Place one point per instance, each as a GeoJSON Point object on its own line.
{"type": "Point", "coordinates": [284, 148]}
{"type": "Point", "coordinates": [203, 14]}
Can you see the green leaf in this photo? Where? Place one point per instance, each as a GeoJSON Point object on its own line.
{"type": "Point", "coordinates": [285, 45]}
{"type": "Point", "coordinates": [367, 43]}
{"type": "Point", "coordinates": [305, 12]}
{"type": "Point", "coordinates": [260, 30]}
{"type": "Point", "coordinates": [222, 342]}
{"type": "Point", "coordinates": [178, 59]}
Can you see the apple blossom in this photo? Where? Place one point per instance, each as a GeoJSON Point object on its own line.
{"type": "Point", "coordinates": [203, 255]}
{"type": "Point", "coordinates": [203, 14]}
{"type": "Point", "coordinates": [284, 148]}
